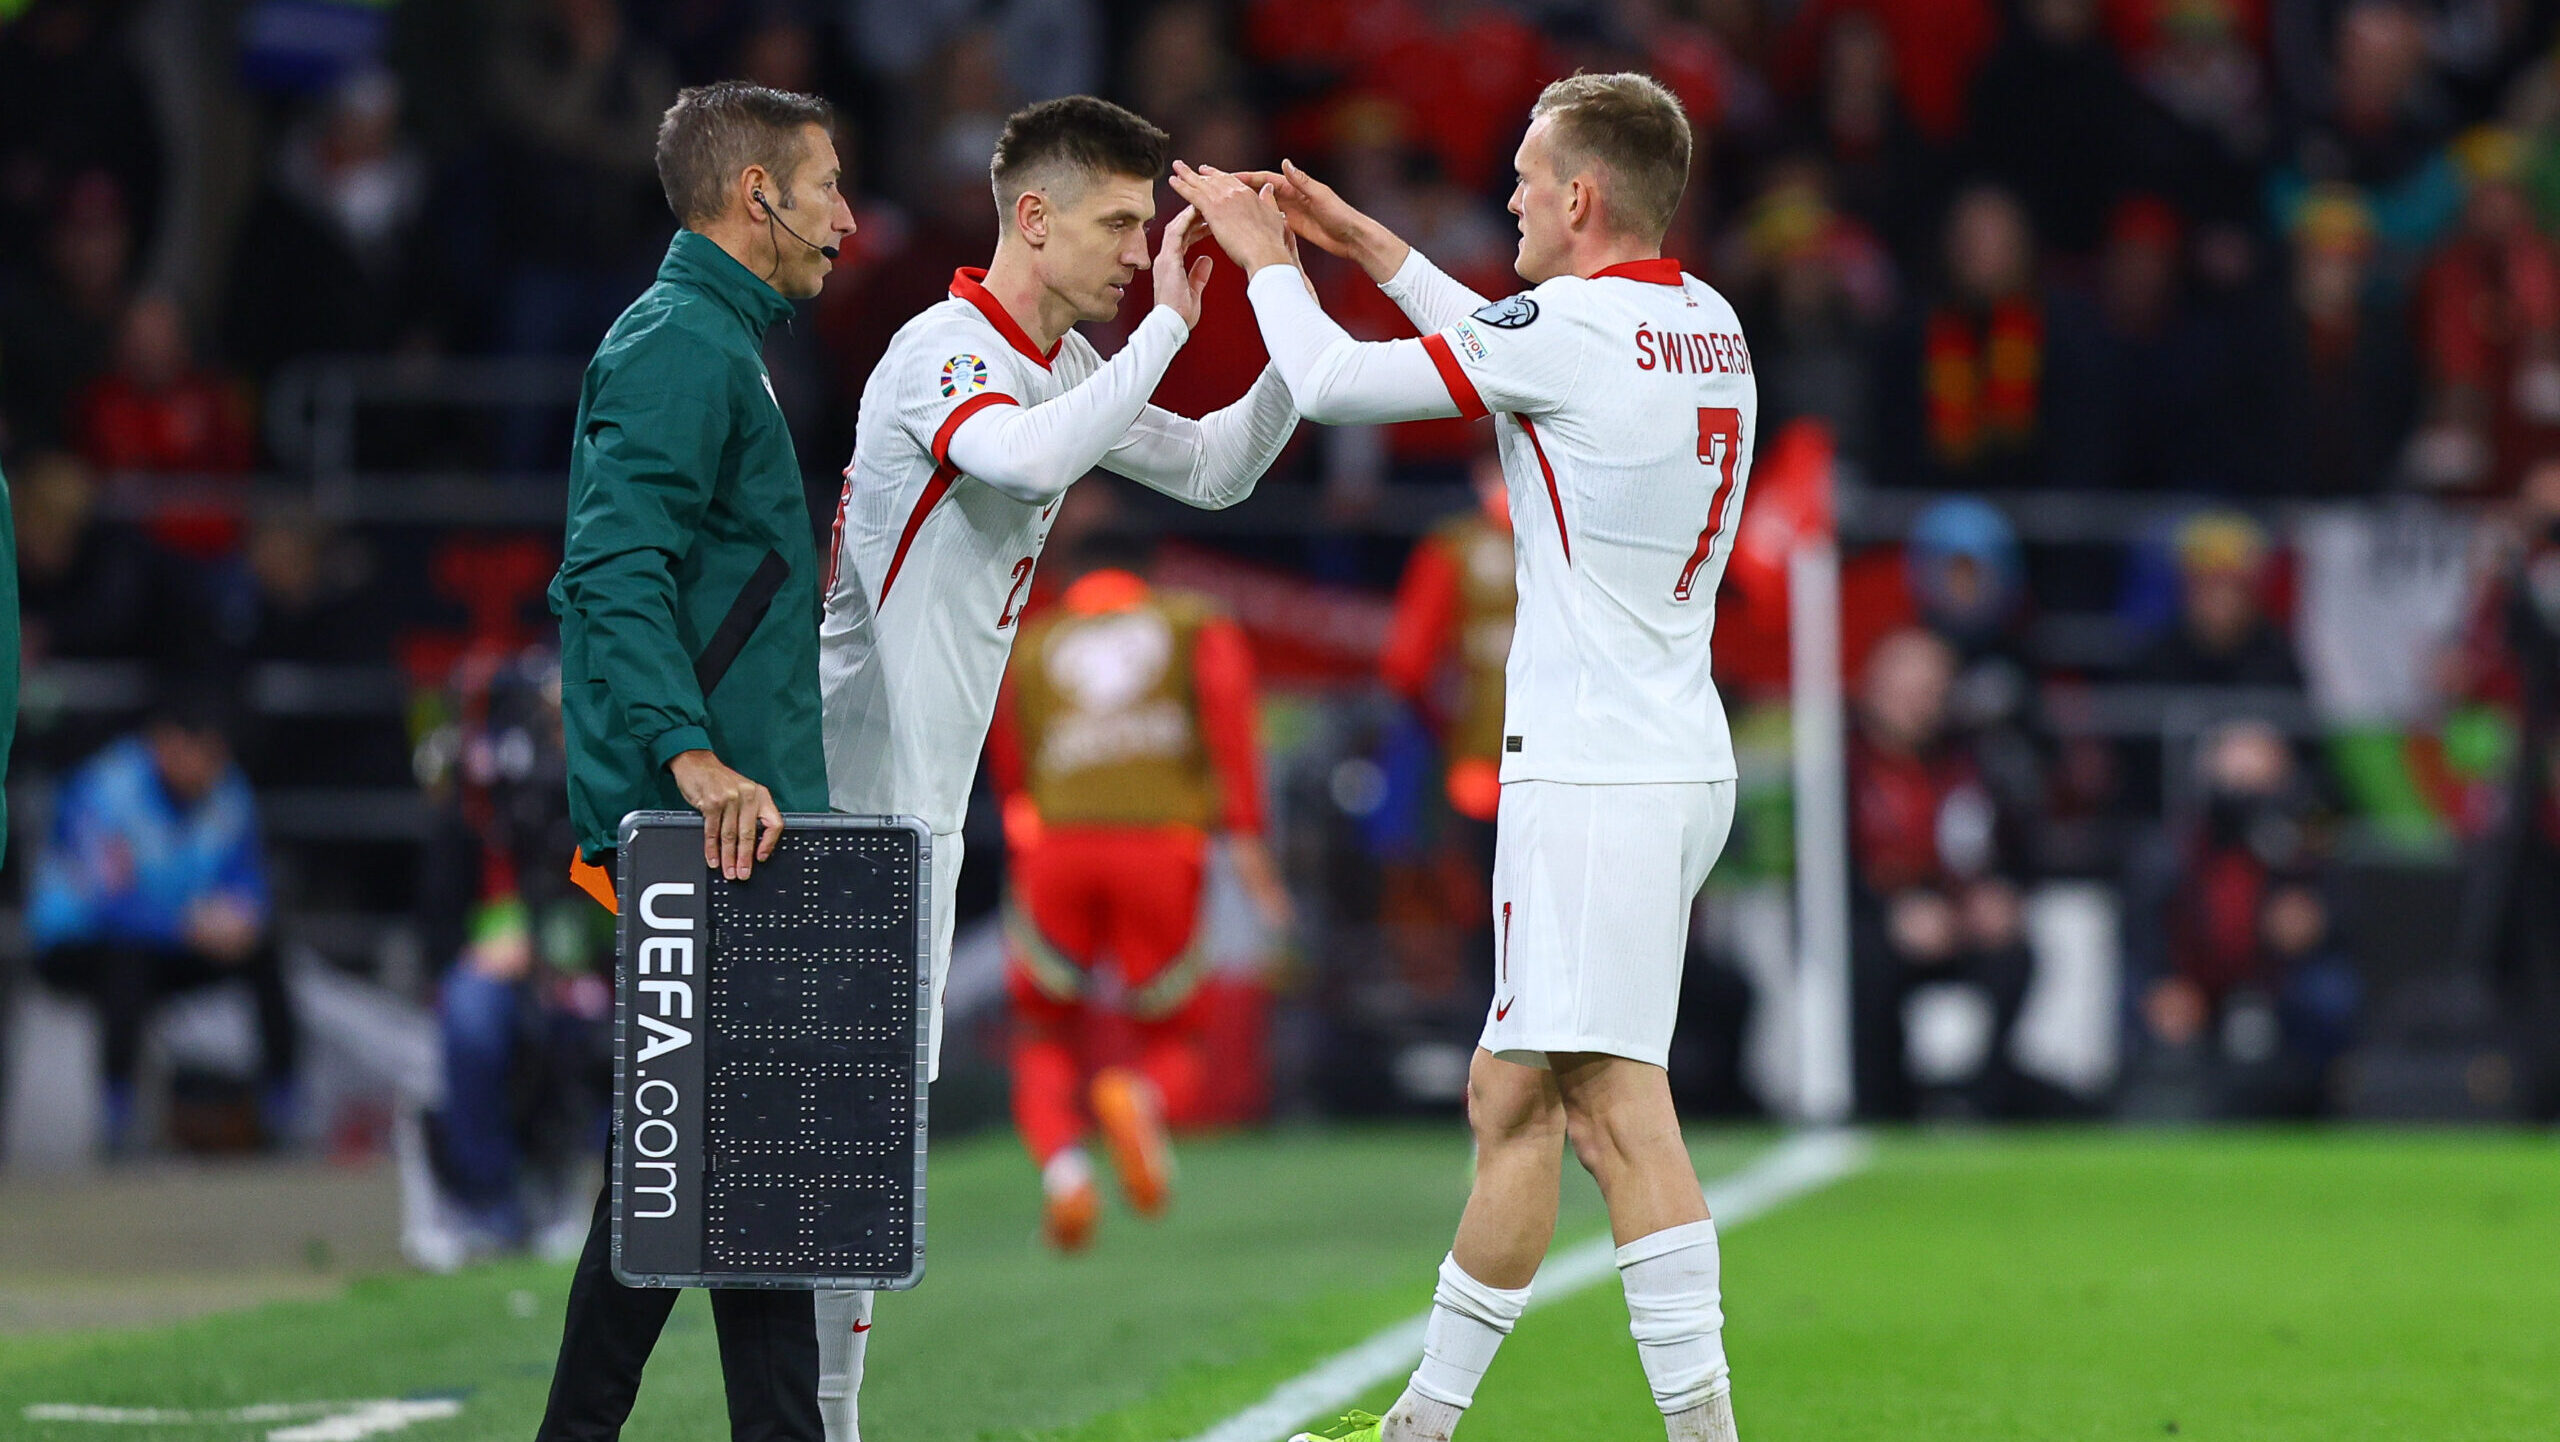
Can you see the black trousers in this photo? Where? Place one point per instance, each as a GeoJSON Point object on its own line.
{"type": "Point", "coordinates": [768, 1353]}
{"type": "Point", "coordinates": [128, 981]}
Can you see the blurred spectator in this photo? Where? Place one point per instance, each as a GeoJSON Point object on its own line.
{"type": "Point", "coordinates": [87, 591]}
{"type": "Point", "coordinates": [1464, 73]}
{"type": "Point", "coordinates": [523, 1010]}
{"type": "Point", "coordinates": [2224, 634]}
{"type": "Point", "coordinates": [2532, 107]}
{"type": "Point", "coordinates": [2489, 315]}
{"type": "Point", "coordinates": [1670, 42]}
{"type": "Point", "coordinates": [1968, 580]}
{"type": "Point", "coordinates": [72, 104]}
{"type": "Point", "coordinates": [58, 327]}
{"type": "Point", "coordinates": [332, 259]}
{"type": "Point", "coordinates": [1935, 892]}
{"type": "Point", "coordinates": [2130, 352]}
{"type": "Point", "coordinates": [2197, 61]}
{"type": "Point", "coordinates": [1963, 395]}
{"type": "Point", "coordinates": [1885, 171]}
{"type": "Point", "coordinates": [2255, 979]}
{"type": "Point", "coordinates": [304, 595]}
{"type": "Point", "coordinates": [1730, 110]}
{"type": "Point", "coordinates": [2056, 121]}
{"type": "Point", "coordinates": [580, 95]}
{"type": "Point", "coordinates": [2377, 120]}
{"type": "Point", "coordinates": [159, 411]}
{"type": "Point", "coordinates": [2339, 393]}
{"type": "Point", "coordinates": [1181, 65]}
{"type": "Point", "coordinates": [2512, 911]}
{"type": "Point", "coordinates": [902, 262]}
{"type": "Point", "coordinates": [973, 95]}
{"type": "Point", "coordinates": [779, 49]}
{"type": "Point", "coordinates": [152, 884]}
{"type": "Point", "coordinates": [1814, 289]}
{"type": "Point", "coordinates": [1304, 51]}
{"type": "Point", "coordinates": [1934, 47]}
{"type": "Point", "coordinates": [1042, 48]}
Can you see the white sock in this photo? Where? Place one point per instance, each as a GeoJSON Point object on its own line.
{"type": "Point", "coordinates": [1468, 1322]}
{"type": "Point", "coordinates": [844, 1335]}
{"type": "Point", "coordinates": [1675, 1308]}
{"type": "Point", "coordinates": [1709, 1421]}
{"type": "Point", "coordinates": [1066, 1172]}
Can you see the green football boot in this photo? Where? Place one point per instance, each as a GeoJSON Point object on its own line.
{"type": "Point", "coordinates": [1354, 1427]}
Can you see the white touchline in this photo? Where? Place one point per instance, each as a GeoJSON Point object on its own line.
{"type": "Point", "coordinates": [1803, 1163]}
{"type": "Point", "coordinates": [334, 1421]}
{"type": "Point", "coordinates": [368, 1419]}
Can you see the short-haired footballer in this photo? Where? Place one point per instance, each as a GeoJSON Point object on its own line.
{"type": "Point", "coordinates": [1627, 409]}
{"type": "Point", "coordinates": [985, 409]}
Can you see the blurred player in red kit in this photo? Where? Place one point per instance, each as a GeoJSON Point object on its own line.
{"type": "Point", "coordinates": [1454, 613]}
{"type": "Point", "coordinates": [1123, 737]}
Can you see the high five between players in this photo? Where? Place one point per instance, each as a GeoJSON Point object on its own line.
{"type": "Point", "coordinates": [1626, 410]}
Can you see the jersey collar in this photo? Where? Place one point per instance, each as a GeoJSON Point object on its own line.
{"type": "Point", "coordinates": [1663, 271]}
{"type": "Point", "coordinates": [969, 283]}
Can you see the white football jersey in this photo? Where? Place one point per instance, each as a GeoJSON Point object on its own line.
{"type": "Point", "coordinates": [1626, 413]}
{"type": "Point", "coordinates": [929, 569]}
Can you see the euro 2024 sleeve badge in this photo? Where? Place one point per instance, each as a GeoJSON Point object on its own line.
{"type": "Point", "coordinates": [963, 373]}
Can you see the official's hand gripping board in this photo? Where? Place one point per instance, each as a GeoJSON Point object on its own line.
{"type": "Point", "coordinates": [770, 1055]}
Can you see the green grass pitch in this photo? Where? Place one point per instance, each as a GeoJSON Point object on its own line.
{"type": "Point", "coordinates": [2254, 1285]}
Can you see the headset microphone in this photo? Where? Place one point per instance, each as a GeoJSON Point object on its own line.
{"type": "Point", "coordinates": [829, 251]}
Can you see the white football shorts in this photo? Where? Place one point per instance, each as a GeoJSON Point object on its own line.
{"type": "Point", "coordinates": [1591, 894]}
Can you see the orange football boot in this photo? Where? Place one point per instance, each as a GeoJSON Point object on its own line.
{"type": "Point", "coordinates": [1131, 1113]}
{"type": "Point", "coordinates": [1067, 1219]}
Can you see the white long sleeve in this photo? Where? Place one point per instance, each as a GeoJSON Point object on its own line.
{"type": "Point", "coordinates": [1337, 380]}
{"type": "Point", "coordinates": [1033, 453]}
{"type": "Point", "coordinates": [1215, 461]}
{"type": "Point", "coordinates": [1428, 295]}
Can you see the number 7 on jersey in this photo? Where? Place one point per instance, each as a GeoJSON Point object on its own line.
{"type": "Point", "coordinates": [1720, 446]}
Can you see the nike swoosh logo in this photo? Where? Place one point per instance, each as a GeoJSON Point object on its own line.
{"type": "Point", "coordinates": [1503, 1010]}
{"type": "Point", "coordinates": [861, 1327]}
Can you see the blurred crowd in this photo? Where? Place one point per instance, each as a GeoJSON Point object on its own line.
{"type": "Point", "coordinates": [2252, 255]}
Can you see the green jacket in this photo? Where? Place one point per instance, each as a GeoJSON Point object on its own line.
{"type": "Point", "coordinates": [688, 585]}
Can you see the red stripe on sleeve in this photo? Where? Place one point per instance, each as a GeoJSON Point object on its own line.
{"type": "Point", "coordinates": [961, 412]}
{"type": "Point", "coordinates": [1462, 390]}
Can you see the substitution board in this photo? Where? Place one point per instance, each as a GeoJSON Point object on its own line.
{"type": "Point", "coordinates": [770, 1055]}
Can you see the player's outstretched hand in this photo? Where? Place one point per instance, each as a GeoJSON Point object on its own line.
{"type": "Point", "coordinates": [1246, 221]}
{"type": "Point", "coordinates": [740, 823]}
{"type": "Point", "coordinates": [1318, 213]}
{"type": "Point", "coordinates": [1180, 282]}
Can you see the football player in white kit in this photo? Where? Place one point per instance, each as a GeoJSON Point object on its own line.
{"type": "Point", "coordinates": [1626, 409]}
{"type": "Point", "coordinates": [985, 409]}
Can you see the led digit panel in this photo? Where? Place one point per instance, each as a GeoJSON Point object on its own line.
{"type": "Point", "coordinates": [769, 1118]}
